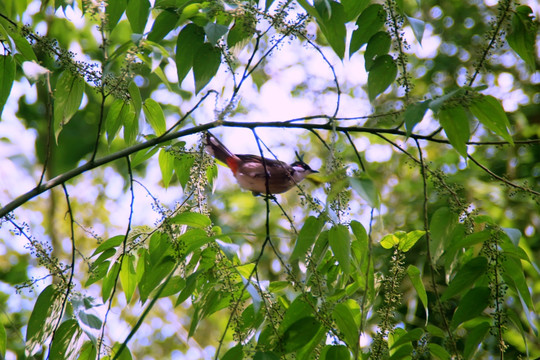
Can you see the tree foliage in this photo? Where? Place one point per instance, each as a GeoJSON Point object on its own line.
{"type": "Point", "coordinates": [419, 239]}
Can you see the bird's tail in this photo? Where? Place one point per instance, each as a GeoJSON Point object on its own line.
{"type": "Point", "coordinates": [215, 148]}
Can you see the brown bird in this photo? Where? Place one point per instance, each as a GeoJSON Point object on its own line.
{"type": "Point", "coordinates": [249, 169]}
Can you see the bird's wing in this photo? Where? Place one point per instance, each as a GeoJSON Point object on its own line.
{"type": "Point", "coordinates": [252, 166]}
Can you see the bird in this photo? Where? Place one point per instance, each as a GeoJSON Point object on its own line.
{"type": "Point", "coordinates": [249, 170]}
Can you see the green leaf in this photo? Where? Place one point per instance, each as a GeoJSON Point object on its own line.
{"type": "Point", "coordinates": [390, 240]}
{"type": "Point", "coordinates": [255, 296]}
{"type": "Point", "coordinates": [336, 352]}
{"type": "Point", "coordinates": [7, 75]}
{"type": "Point", "coordinates": [205, 65]}
{"type": "Point", "coordinates": [3, 341]}
{"type": "Point", "coordinates": [471, 305]}
{"type": "Point", "coordinates": [365, 187]}
{"type": "Point", "coordinates": [408, 337]}
{"type": "Point", "coordinates": [88, 351]}
{"type": "Point", "coordinates": [300, 333]}
{"type": "Point", "coordinates": [131, 124]}
{"type": "Point", "coordinates": [381, 75]}
{"type": "Point", "coordinates": [109, 281]}
{"type": "Point", "coordinates": [124, 355]}
{"type": "Point", "coordinates": [410, 239]}
{"type": "Point", "coordinates": [166, 165]}
{"type": "Point", "coordinates": [234, 353]}
{"type": "Point", "coordinates": [414, 114]}
{"type": "Point", "coordinates": [242, 31]}
{"type": "Point", "coordinates": [109, 244]}
{"type": "Point", "coordinates": [22, 45]}
{"type": "Point", "coordinates": [340, 242]}
{"type": "Point", "coordinates": [66, 343]}
{"type": "Point", "coordinates": [474, 338]}
{"type": "Point", "coordinates": [191, 282]}
{"type": "Point", "coordinates": [214, 32]}
{"type": "Point", "coordinates": [297, 310]}
{"type": "Point", "coordinates": [456, 126]}
{"type": "Point", "coordinates": [259, 355]}
{"type": "Point", "coordinates": [154, 115]}
{"type": "Point", "coordinates": [154, 275]}
{"type": "Point", "coordinates": [192, 219]}
{"type": "Point", "coordinates": [333, 28]}
{"type": "Point", "coordinates": [128, 277]}
{"type": "Point", "coordinates": [182, 168]}
{"type": "Point", "coordinates": [67, 99]}
{"type": "Point", "coordinates": [142, 155]}
{"type": "Point", "coordinates": [523, 34]}
{"type": "Point", "coordinates": [465, 277]}
{"type": "Point", "coordinates": [190, 39]}
{"type": "Point", "coordinates": [490, 113]}
{"type": "Point", "coordinates": [230, 250]}
{"type": "Point", "coordinates": [44, 317]}
{"type": "Point", "coordinates": [418, 27]}
{"type": "Point", "coordinates": [379, 44]}
{"type": "Point", "coordinates": [443, 222]}
{"type": "Point", "coordinates": [118, 115]}
{"type": "Point", "coordinates": [137, 12]}
{"type": "Point", "coordinates": [307, 236]}
{"type": "Point", "coordinates": [164, 24]}
{"type": "Point", "coordinates": [515, 279]}
{"type": "Point", "coordinates": [87, 317]}
{"type": "Point", "coordinates": [438, 352]}
{"type": "Point", "coordinates": [368, 23]}
{"type": "Point", "coordinates": [352, 8]}
{"type": "Point", "coordinates": [436, 104]}
{"type": "Point", "coordinates": [114, 11]}
{"type": "Point", "coordinates": [416, 280]}
{"type": "Point", "coordinates": [347, 318]}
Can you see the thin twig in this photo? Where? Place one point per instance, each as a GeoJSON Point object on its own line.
{"type": "Point", "coordinates": [120, 260]}
{"type": "Point", "coordinates": [428, 252]}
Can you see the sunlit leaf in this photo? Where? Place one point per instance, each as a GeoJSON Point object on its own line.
{"type": "Point", "coordinates": [166, 165]}
{"type": "Point", "coordinates": [67, 342]}
{"type": "Point", "coordinates": [43, 319]}
{"type": "Point", "coordinates": [192, 219]}
{"type": "Point", "coordinates": [154, 115]}
{"type": "Point", "coordinates": [128, 277]}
